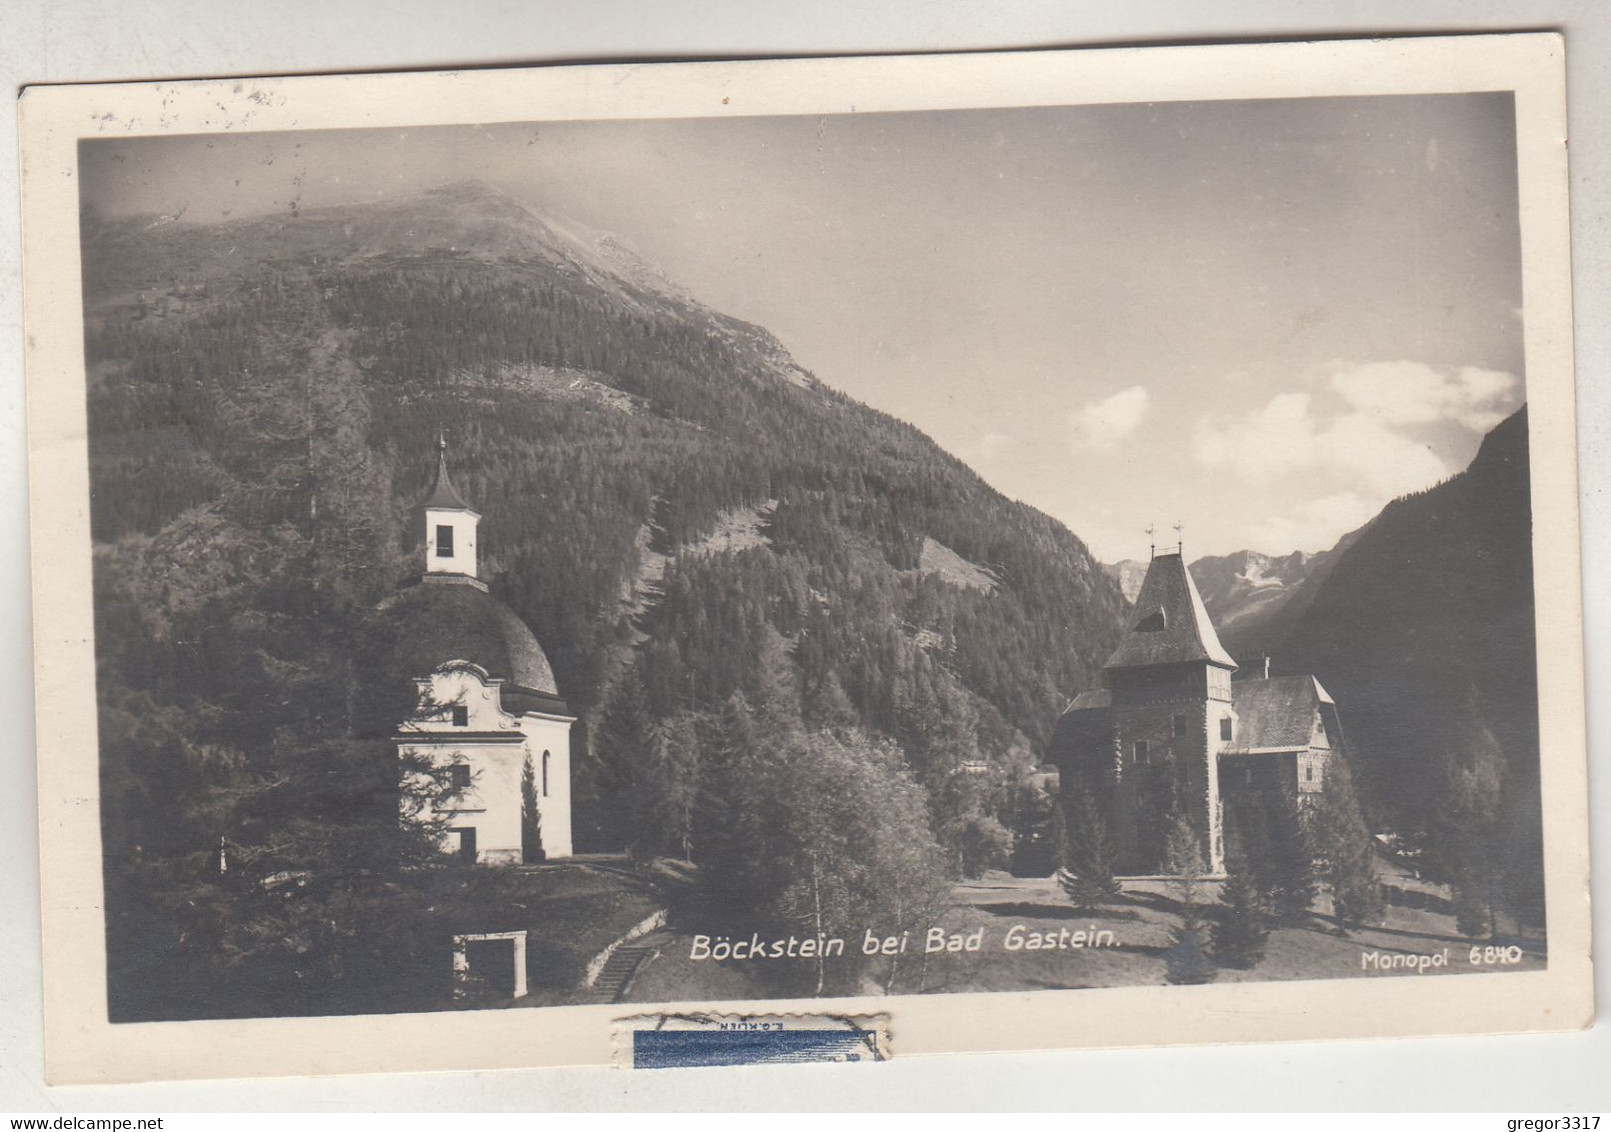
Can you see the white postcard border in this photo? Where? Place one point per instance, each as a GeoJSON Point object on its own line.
{"type": "Point", "coordinates": [83, 1047]}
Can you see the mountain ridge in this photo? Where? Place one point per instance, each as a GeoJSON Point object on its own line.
{"type": "Point", "coordinates": [1252, 598]}
{"type": "Point", "coordinates": [1426, 625]}
{"type": "Point", "coordinates": [296, 385]}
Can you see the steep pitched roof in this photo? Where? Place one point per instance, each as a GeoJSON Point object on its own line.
{"type": "Point", "coordinates": [444, 496]}
{"type": "Point", "coordinates": [1278, 713]}
{"type": "Point", "coordinates": [1091, 698]}
{"type": "Point", "coordinates": [1087, 721]}
{"type": "Point", "coordinates": [1169, 623]}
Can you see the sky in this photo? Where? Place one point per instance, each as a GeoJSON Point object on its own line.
{"type": "Point", "coordinates": [1262, 320]}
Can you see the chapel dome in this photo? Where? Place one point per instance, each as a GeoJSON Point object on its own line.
{"type": "Point", "coordinates": [446, 617]}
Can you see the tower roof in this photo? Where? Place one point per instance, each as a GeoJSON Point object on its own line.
{"type": "Point", "coordinates": [437, 620]}
{"type": "Point", "coordinates": [1169, 624]}
{"type": "Point", "coordinates": [1277, 713]}
{"type": "Point", "coordinates": [444, 496]}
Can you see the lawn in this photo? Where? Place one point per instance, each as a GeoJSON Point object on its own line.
{"type": "Point", "coordinates": [1131, 937]}
{"type": "Point", "coordinates": [569, 911]}
{"type": "Point", "coordinates": [1143, 920]}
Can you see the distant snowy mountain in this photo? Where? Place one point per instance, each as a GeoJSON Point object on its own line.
{"type": "Point", "coordinates": [1254, 599]}
{"type": "Point", "coordinates": [1128, 573]}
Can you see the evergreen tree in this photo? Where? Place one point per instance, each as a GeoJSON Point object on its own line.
{"type": "Point", "coordinates": [1524, 858]}
{"type": "Point", "coordinates": [1062, 851]}
{"type": "Point", "coordinates": [1466, 834]}
{"type": "Point", "coordinates": [1287, 873]}
{"type": "Point", "coordinates": [774, 687]}
{"type": "Point", "coordinates": [1185, 863]}
{"type": "Point", "coordinates": [827, 707]}
{"type": "Point", "coordinates": [1187, 960]}
{"type": "Point", "coordinates": [1088, 878]}
{"type": "Point", "coordinates": [1345, 850]}
{"type": "Point", "coordinates": [731, 837]}
{"type": "Point", "coordinates": [1243, 927]}
{"type": "Point", "coordinates": [531, 830]}
{"type": "Point", "coordinates": [619, 778]}
{"type": "Point", "coordinates": [672, 784]}
{"type": "Point", "coordinates": [1033, 830]}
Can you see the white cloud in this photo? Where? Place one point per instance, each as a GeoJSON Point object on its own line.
{"type": "Point", "coordinates": [1412, 393]}
{"type": "Point", "coordinates": [991, 444]}
{"type": "Point", "coordinates": [1353, 458]}
{"type": "Point", "coordinates": [1314, 526]}
{"type": "Point", "coordinates": [1103, 423]}
{"type": "Point", "coordinates": [987, 451]}
{"type": "Point", "coordinates": [1357, 451]}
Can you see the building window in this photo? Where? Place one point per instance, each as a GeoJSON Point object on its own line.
{"type": "Point", "coordinates": [1225, 729]}
{"type": "Point", "coordinates": [444, 540]}
{"type": "Point", "coordinates": [1138, 752]}
{"type": "Point", "coordinates": [460, 776]}
{"type": "Point", "coordinates": [461, 715]}
{"type": "Point", "coordinates": [1247, 776]}
{"type": "Point", "coordinates": [1308, 774]}
{"type": "Point", "coordinates": [1180, 726]}
{"type": "Point", "coordinates": [545, 774]}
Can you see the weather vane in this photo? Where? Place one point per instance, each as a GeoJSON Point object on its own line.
{"type": "Point", "coordinates": [1152, 542]}
{"type": "Point", "coordinates": [1180, 536]}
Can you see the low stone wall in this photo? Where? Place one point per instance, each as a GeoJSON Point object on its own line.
{"type": "Point", "coordinates": [1417, 898]}
{"type": "Point", "coordinates": [595, 966]}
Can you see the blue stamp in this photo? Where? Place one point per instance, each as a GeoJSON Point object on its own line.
{"type": "Point", "coordinates": [682, 1040]}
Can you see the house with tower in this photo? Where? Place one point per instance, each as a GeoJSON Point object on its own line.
{"type": "Point", "coordinates": [1171, 735]}
{"type": "Point", "coordinates": [487, 705]}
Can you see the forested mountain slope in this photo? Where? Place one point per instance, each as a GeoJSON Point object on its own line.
{"type": "Point", "coordinates": [1255, 598]}
{"type": "Point", "coordinates": [264, 401]}
{"type": "Point", "coordinates": [1424, 631]}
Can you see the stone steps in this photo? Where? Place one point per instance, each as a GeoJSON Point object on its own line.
{"type": "Point", "coordinates": [618, 971]}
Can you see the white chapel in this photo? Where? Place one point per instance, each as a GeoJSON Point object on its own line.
{"type": "Point", "coordinates": [487, 701]}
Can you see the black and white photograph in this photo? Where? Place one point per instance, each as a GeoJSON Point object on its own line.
{"type": "Point", "coordinates": [873, 554]}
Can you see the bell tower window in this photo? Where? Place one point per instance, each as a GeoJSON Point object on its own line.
{"type": "Point", "coordinates": [450, 526]}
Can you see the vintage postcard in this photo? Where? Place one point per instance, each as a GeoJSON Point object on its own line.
{"type": "Point", "coordinates": [840, 558]}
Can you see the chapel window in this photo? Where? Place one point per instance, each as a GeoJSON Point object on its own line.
{"type": "Point", "coordinates": [459, 775]}
{"type": "Point", "coordinates": [545, 773]}
{"type": "Point", "coordinates": [1225, 729]}
{"type": "Point", "coordinates": [1138, 753]}
{"type": "Point", "coordinates": [444, 540]}
{"type": "Point", "coordinates": [461, 715]}
{"type": "Point", "coordinates": [1180, 725]}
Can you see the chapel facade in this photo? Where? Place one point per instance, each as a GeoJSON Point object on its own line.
{"type": "Point", "coordinates": [487, 703]}
{"type": "Point", "coordinates": [1169, 733]}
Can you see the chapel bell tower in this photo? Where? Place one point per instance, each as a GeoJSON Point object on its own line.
{"type": "Point", "coordinates": [450, 525]}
